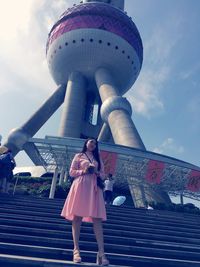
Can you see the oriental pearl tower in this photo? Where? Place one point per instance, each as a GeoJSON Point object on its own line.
{"type": "Point", "coordinates": [94, 54]}
{"type": "Point", "coordinates": [96, 48]}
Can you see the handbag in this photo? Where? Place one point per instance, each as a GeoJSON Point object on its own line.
{"type": "Point", "coordinates": [100, 183]}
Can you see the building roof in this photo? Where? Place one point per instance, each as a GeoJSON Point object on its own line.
{"type": "Point", "coordinates": [132, 164]}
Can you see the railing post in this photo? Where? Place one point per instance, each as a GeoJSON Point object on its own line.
{"type": "Point", "coordinates": [53, 184]}
{"type": "Point", "coordinates": [62, 176]}
{"type": "Point", "coordinates": [181, 198]}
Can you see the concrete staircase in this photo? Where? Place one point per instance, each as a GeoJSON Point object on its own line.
{"type": "Point", "coordinates": [32, 233]}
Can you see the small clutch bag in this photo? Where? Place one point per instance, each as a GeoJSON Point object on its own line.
{"type": "Point", "coordinates": [100, 183]}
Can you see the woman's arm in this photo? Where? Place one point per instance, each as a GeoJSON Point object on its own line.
{"type": "Point", "coordinates": [75, 170]}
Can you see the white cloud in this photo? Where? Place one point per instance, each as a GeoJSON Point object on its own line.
{"type": "Point", "coordinates": [157, 68]}
{"type": "Point", "coordinates": [145, 98]}
{"type": "Point", "coordinates": [14, 16]}
{"type": "Point", "coordinates": [24, 27]}
{"type": "Point", "coordinates": [163, 40]}
{"type": "Point", "coordinates": [169, 146]}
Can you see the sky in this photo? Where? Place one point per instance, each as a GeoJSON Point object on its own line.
{"type": "Point", "coordinates": [165, 98]}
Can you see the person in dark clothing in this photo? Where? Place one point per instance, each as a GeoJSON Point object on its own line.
{"type": "Point", "coordinates": [7, 164]}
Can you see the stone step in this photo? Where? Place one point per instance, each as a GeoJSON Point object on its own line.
{"type": "Point", "coordinates": [32, 231]}
{"type": "Point", "coordinates": [111, 213]}
{"type": "Point", "coordinates": [174, 238]}
{"type": "Point", "coordinates": [29, 198]}
{"type": "Point", "coordinates": [122, 260]}
{"type": "Point", "coordinates": [7, 260]}
{"type": "Point", "coordinates": [111, 224]}
{"type": "Point", "coordinates": [87, 233]}
{"type": "Point", "coordinates": [91, 246]}
{"type": "Point", "coordinates": [55, 201]}
{"type": "Point", "coordinates": [149, 226]}
{"type": "Point", "coordinates": [111, 209]}
{"type": "Point", "coordinates": [115, 219]}
{"type": "Point", "coordinates": [51, 203]}
{"type": "Point", "coordinates": [111, 236]}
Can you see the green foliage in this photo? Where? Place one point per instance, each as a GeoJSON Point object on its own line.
{"type": "Point", "coordinates": [29, 179]}
{"type": "Point", "coordinates": [186, 208]}
{"type": "Point", "coordinates": [44, 190]}
{"type": "Point", "coordinates": [39, 187]}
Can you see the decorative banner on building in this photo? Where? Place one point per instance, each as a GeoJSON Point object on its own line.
{"type": "Point", "coordinates": [155, 171]}
{"type": "Point", "coordinates": [194, 181]}
{"type": "Point", "coordinates": [109, 160]}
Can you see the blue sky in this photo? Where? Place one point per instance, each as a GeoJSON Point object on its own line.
{"type": "Point", "coordinates": [165, 98]}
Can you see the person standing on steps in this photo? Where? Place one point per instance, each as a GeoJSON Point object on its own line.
{"type": "Point", "coordinates": [7, 164]}
{"type": "Point", "coordinates": [108, 191]}
{"type": "Point", "coordinates": [85, 200]}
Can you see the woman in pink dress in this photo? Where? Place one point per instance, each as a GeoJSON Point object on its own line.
{"type": "Point", "coordinates": [85, 200]}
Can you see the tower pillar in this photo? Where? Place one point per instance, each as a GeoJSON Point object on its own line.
{"type": "Point", "coordinates": [18, 137]}
{"type": "Point", "coordinates": [105, 134]}
{"type": "Point", "coordinates": [116, 111]}
{"type": "Point", "coordinates": [74, 106]}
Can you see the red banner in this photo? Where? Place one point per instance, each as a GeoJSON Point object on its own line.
{"type": "Point", "coordinates": [109, 160]}
{"type": "Point", "coordinates": [194, 181]}
{"type": "Point", "coordinates": [154, 171]}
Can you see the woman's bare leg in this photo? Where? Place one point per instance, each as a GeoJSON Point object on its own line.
{"type": "Point", "coordinates": [76, 227]}
{"type": "Point", "coordinates": [98, 230]}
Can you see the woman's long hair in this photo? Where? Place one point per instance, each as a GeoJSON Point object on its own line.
{"type": "Point", "coordinates": [95, 151]}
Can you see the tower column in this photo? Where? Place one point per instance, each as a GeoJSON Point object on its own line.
{"type": "Point", "coordinates": [105, 134]}
{"type": "Point", "coordinates": [116, 111]}
{"type": "Point", "coordinates": [18, 137]}
{"type": "Point", "coordinates": [74, 106]}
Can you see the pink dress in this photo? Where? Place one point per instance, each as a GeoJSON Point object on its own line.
{"type": "Point", "coordinates": [85, 198]}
